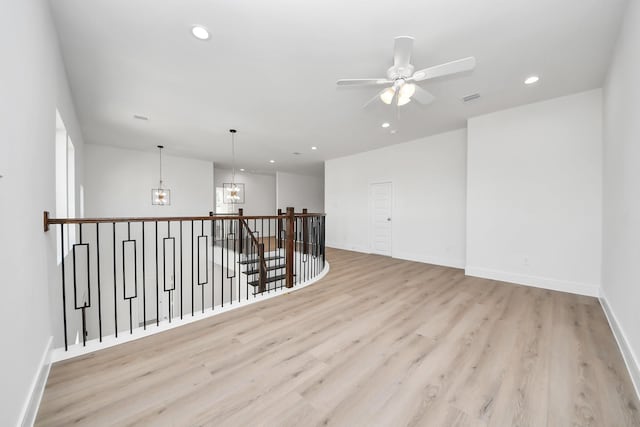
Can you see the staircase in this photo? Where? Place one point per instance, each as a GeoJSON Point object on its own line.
{"type": "Point", "coordinates": [275, 268]}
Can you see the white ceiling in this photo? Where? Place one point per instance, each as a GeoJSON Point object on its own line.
{"type": "Point", "coordinates": [270, 69]}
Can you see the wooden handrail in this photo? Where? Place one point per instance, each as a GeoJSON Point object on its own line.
{"type": "Point", "coordinates": [49, 221]}
{"type": "Point", "coordinates": [263, 264]}
{"type": "Point", "coordinates": [253, 237]}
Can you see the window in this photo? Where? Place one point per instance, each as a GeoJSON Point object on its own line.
{"type": "Point", "coordinates": [65, 184]}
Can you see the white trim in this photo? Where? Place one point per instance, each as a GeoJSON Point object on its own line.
{"type": "Point", "coordinates": [587, 289]}
{"type": "Point", "coordinates": [361, 249]}
{"type": "Point", "coordinates": [428, 259]}
{"type": "Point", "coordinates": [75, 350]}
{"type": "Point", "coordinates": [630, 359]}
{"type": "Point", "coordinates": [32, 403]}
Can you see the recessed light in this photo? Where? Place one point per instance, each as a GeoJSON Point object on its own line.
{"type": "Point", "coordinates": [385, 125]}
{"type": "Point", "coordinates": [531, 80]}
{"type": "Point", "coordinates": [272, 161]}
{"type": "Point", "coordinates": [314, 148]}
{"type": "Point", "coordinates": [200, 32]}
{"type": "Point", "coordinates": [241, 169]}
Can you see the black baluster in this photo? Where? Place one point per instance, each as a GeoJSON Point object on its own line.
{"type": "Point", "coordinates": [213, 269]}
{"type": "Point", "coordinates": [144, 284]}
{"type": "Point", "coordinates": [84, 304]}
{"type": "Point", "coordinates": [181, 276]}
{"type": "Point", "coordinates": [124, 277]}
{"type": "Point", "coordinates": [192, 274]}
{"type": "Point", "coordinates": [164, 269]}
{"type": "Point", "coordinates": [206, 254]}
{"type": "Point", "coordinates": [98, 277]}
{"type": "Point", "coordinates": [213, 264]}
{"type": "Point", "coordinates": [222, 243]}
{"type": "Point", "coordinates": [64, 294]}
{"type": "Point", "coordinates": [157, 280]}
{"type": "Point", "coordinates": [115, 291]}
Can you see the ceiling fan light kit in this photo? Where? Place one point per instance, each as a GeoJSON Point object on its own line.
{"type": "Point", "coordinates": [402, 78]}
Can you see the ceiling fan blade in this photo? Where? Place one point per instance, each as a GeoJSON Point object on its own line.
{"type": "Point", "coordinates": [453, 67]}
{"type": "Point", "coordinates": [422, 96]}
{"type": "Point", "coordinates": [402, 48]}
{"type": "Point", "coordinates": [363, 82]}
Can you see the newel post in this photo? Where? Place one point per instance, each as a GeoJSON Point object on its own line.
{"type": "Point", "coordinates": [305, 232]}
{"type": "Point", "coordinates": [279, 238]}
{"type": "Point", "coordinates": [46, 221]}
{"type": "Point", "coordinates": [239, 238]}
{"type": "Point", "coordinates": [289, 255]}
{"type": "Point", "coordinates": [262, 272]}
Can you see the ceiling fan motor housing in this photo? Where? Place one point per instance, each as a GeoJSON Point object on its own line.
{"type": "Point", "coordinates": [394, 73]}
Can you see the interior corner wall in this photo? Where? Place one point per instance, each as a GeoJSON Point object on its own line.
{"type": "Point", "coordinates": [33, 84]}
{"type": "Point", "coordinates": [118, 183]}
{"type": "Point", "coordinates": [300, 191]}
{"type": "Point", "coordinates": [428, 178]}
{"type": "Point", "coordinates": [534, 194]}
{"type": "Point", "coordinates": [259, 189]}
{"type": "Point", "coordinates": [621, 193]}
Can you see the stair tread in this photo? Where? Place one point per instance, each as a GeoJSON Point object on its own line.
{"type": "Point", "coordinates": [269, 279]}
{"type": "Point", "coordinates": [269, 268]}
{"type": "Point", "coordinates": [255, 260]}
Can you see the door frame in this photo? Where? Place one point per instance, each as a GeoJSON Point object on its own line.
{"type": "Point", "coordinates": [370, 219]}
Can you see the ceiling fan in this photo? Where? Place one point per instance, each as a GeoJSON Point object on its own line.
{"type": "Point", "coordinates": [402, 78]}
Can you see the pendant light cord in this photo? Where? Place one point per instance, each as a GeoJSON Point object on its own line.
{"type": "Point", "coordinates": [233, 156]}
{"type": "Point", "coordinates": [160, 147]}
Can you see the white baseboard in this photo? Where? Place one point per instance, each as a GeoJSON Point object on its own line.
{"type": "Point", "coordinates": [362, 249]}
{"type": "Point", "coordinates": [631, 361]}
{"type": "Point", "coordinates": [445, 262]}
{"type": "Point", "coordinates": [587, 289]}
{"type": "Point", "coordinates": [427, 259]}
{"type": "Point", "coordinates": [31, 405]}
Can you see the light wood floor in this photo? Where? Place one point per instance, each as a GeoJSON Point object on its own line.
{"type": "Point", "coordinates": [377, 342]}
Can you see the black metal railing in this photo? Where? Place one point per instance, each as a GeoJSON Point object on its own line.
{"type": "Point", "coordinates": [118, 275]}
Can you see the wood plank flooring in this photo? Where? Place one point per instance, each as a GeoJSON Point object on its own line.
{"type": "Point", "coordinates": [378, 342]}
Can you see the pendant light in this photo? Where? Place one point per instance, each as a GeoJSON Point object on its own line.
{"type": "Point", "coordinates": [233, 190]}
{"type": "Point", "coordinates": [160, 196]}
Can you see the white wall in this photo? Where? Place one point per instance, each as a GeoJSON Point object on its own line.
{"type": "Point", "coordinates": [118, 182]}
{"type": "Point", "coordinates": [33, 84]}
{"type": "Point", "coordinates": [621, 214]}
{"type": "Point", "coordinates": [300, 191]}
{"type": "Point", "coordinates": [429, 182]}
{"type": "Point", "coordinates": [534, 194]}
{"type": "Point", "coordinates": [260, 191]}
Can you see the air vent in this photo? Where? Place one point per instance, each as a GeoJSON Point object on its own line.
{"type": "Point", "coordinates": [471, 97]}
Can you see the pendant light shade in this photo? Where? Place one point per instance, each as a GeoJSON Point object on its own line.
{"type": "Point", "coordinates": [160, 196]}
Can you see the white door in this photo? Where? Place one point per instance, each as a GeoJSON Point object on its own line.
{"type": "Point", "coordinates": [380, 213]}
